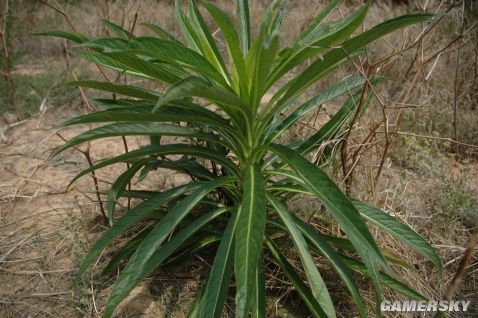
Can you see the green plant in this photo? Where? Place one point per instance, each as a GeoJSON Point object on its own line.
{"type": "Point", "coordinates": [240, 186]}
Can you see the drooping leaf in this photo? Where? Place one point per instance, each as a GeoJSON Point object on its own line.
{"type": "Point", "coordinates": [137, 129]}
{"type": "Point", "coordinates": [170, 149]}
{"type": "Point", "coordinates": [398, 230]}
{"type": "Point", "coordinates": [340, 267]}
{"type": "Point", "coordinates": [304, 291]}
{"type": "Point", "coordinates": [219, 278]}
{"type": "Point", "coordinates": [162, 50]}
{"type": "Point", "coordinates": [177, 113]}
{"type": "Point", "coordinates": [72, 36]}
{"type": "Point", "coordinates": [317, 284]}
{"type": "Point", "coordinates": [249, 237]}
{"type": "Point", "coordinates": [149, 254]}
{"type": "Point", "coordinates": [119, 185]}
{"type": "Point", "coordinates": [385, 279]}
{"type": "Point", "coordinates": [134, 215]}
{"type": "Point", "coordinates": [339, 206]}
{"type": "Point", "coordinates": [125, 90]}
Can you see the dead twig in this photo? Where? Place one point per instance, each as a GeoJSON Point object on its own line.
{"type": "Point", "coordinates": [455, 88]}
{"type": "Point", "coordinates": [4, 131]}
{"type": "Point", "coordinates": [10, 251]}
{"type": "Point", "coordinates": [87, 155]}
{"type": "Point", "coordinates": [460, 272]}
{"type": "Point", "coordinates": [7, 62]}
{"type": "Point", "coordinates": [343, 152]}
{"type": "Point", "coordinates": [444, 139]}
{"type": "Point", "coordinates": [60, 11]}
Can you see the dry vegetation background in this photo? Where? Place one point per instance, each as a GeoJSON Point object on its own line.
{"type": "Point", "coordinates": [413, 154]}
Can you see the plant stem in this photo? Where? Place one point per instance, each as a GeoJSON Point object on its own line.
{"type": "Point", "coordinates": [93, 175]}
{"type": "Point", "coordinates": [347, 176]}
{"type": "Point", "coordinates": [7, 62]}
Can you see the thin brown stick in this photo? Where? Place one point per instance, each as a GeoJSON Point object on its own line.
{"type": "Point", "coordinates": [343, 151]}
{"type": "Point", "coordinates": [93, 175]}
{"type": "Point", "coordinates": [7, 63]}
{"type": "Point", "coordinates": [415, 78]}
{"type": "Point", "coordinates": [444, 139]}
{"type": "Point", "coordinates": [455, 91]}
{"type": "Point", "coordinates": [60, 11]}
{"type": "Point", "coordinates": [67, 18]}
{"type": "Point", "coordinates": [465, 261]}
{"type": "Point", "coordinates": [83, 96]}
{"type": "Point", "coordinates": [125, 143]}
{"type": "Point", "coordinates": [388, 140]}
{"type": "Point", "coordinates": [135, 19]}
{"type": "Point", "coordinates": [126, 150]}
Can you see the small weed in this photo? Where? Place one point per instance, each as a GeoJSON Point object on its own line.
{"type": "Point", "coordinates": [457, 201]}
{"type": "Point", "coordinates": [36, 90]}
{"type": "Point", "coordinates": [419, 155]}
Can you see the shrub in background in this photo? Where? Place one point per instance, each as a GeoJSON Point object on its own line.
{"type": "Point", "coordinates": [244, 177]}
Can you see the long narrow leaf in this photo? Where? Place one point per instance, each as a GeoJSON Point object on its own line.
{"type": "Point", "coordinates": [242, 12]}
{"type": "Point", "coordinates": [233, 45]}
{"type": "Point", "coordinates": [137, 129]}
{"type": "Point", "coordinates": [119, 31]}
{"type": "Point", "coordinates": [317, 284]}
{"type": "Point", "coordinates": [206, 41]}
{"type": "Point", "coordinates": [259, 301]}
{"type": "Point", "coordinates": [341, 268]}
{"type": "Point", "coordinates": [302, 289]}
{"type": "Point", "coordinates": [170, 149]}
{"type": "Point", "coordinates": [125, 90]}
{"type": "Point", "coordinates": [398, 230]}
{"type": "Point", "coordinates": [323, 65]}
{"type": "Point", "coordinates": [134, 215]}
{"type": "Point", "coordinates": [72, 36]}
{"type": "Point", "coordinates": [148, 256]}
{"type": "Point", "coordinates": [221, 273]}
{"type": "Point", "coordinates": [119, 185]}
{"type": "Point", "coordinates": [249, 237]}
{"type": "Point", "coordinates": [160, 32]}
{"type": "Point", "coordinates": [191, 114]}
{"type": "Point", "coordinates": [347, 86]}
{"type": "Point", "coordinates": [339, 206]}
{"type": "Point", "coordinates": [385, 279]}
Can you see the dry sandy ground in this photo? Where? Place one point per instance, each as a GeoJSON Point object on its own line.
{"type": "Point", "coordinates": [45, 232]}
{"type": "Point", "coordinates": [42, 227]}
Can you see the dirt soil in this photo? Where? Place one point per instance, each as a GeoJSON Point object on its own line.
{"type": "Point", "coordinates": [39, 221]}
{"type": "Point", "coordinates": [45, 231]}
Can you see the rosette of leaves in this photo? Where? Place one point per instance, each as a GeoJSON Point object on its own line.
{"type": "Point", "coordinates": [229, 144]}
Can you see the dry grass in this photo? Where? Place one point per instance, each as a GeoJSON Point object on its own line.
{"type": "Point", "coordinates": [430, 184]}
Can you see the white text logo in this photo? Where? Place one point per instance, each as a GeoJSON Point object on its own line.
{"type": "Point", "coordinates": [424, 305]}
